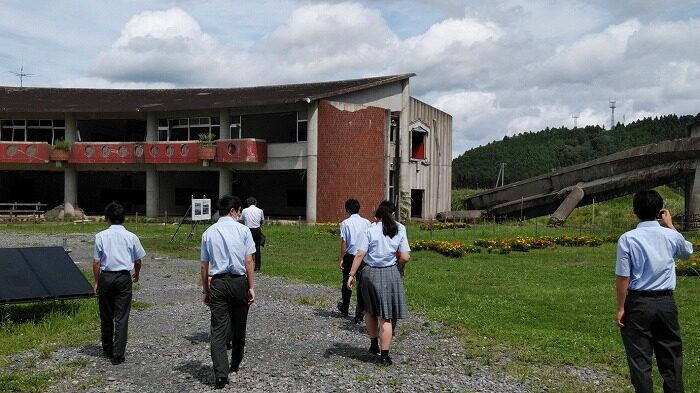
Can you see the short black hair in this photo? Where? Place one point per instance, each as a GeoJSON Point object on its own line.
{"type": "Point", "coordinates": [114, 213]}
{"type": "Point", "coordinates": [388, 205]}
{"type": "Point", "coordinates": [252, 201]}
{"type": "Point", "coordinates": [352, 206]}
{"type": "Point", "coordinates": [226, 203]}
{"type": "Point", "coordinates": [647, 204]}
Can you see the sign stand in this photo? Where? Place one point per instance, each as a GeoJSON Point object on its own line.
{"type": "Point", "coordinates": [201, 211]}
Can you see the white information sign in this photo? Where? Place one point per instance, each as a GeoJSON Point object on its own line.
{"type": "Point", "coordinates": [201, 209]}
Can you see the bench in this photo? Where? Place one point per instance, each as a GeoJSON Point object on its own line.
{"type": "Point", "coordinates": [22, 211]}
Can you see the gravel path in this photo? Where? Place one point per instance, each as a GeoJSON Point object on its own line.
{"type": "Point", "coordinates": [296, 342]}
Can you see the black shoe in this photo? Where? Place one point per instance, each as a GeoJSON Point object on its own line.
{"type": "Point", "coordinates": [118, 360]}
{"type": "Point", "coordinates": [229, 345]}
{"type": "Point", "coordinates": [374, 349]}
{"type": "Point", "coordinates": [107, 353]}
{"type": "Point", "coordinates": [220, 382]}
{"type": "Point", "coordinates": [385, 361]}
{"type": "Point", "coordinates": [358, 319]}
{"type": "Point", "coordinates": [343, 311]}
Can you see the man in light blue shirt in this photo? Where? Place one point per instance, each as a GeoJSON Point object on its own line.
{"type": "Point", "coordinates": [117, 252]}
{"type": "Point", "coordinates": [350, 230]}
{"type": "Point", "coordinates": [228, 285]}
{"type": "Point", "coordinates": [645, 280]}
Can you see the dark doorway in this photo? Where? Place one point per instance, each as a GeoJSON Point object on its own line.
{"type": "Point", "coordinates": [30, 186]}
{"type": "Point", "coordinates": [279, 193]}
{"type": "Point", "coordinates": [417, 203]}
{"type": "Point", "coordinates": [97, 189]}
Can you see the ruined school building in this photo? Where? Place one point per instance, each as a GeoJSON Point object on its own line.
{"type": "Point", "coordinates": [300, 149]}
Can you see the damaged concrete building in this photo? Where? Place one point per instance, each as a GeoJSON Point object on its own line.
{"type": "Point", "coordinates": [300, 149]}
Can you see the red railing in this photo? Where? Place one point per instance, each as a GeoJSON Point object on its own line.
{"type": "Point", "coordinates": [106, 153]}
{"type": "Point", "coordinates": [24, 152]}
{"type": "Point", "coordinates": [178, 152]}
{"type": "Point", "coordinates": [252, 151]}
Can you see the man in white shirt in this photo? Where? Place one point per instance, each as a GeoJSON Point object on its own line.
{"type": "Point", "coordinates": [116, 253]}
{"type": "Point", "coordinates": [253, 217]}
{"type": "Point", "coordinates": [350, 230]}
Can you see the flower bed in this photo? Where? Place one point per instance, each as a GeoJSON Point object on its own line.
{"type": "Point", "coordinates": [450, 249]}
{"type": "Point", "coordinates": [327, 228]}
{"type": "Point", "coordinates": [691, 267]}
{"type": "Point", "coordinates": [436, 226]}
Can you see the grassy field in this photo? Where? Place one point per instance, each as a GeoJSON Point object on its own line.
{"type": "Point", "coordinates": [535, 314]}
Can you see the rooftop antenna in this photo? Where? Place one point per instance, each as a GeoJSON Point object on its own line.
{"type": "Point", "coordinates": [21, 74]}
{"type": "Point", "coordinates": [612, 114]}
{"type": "Point", "coordinates": [575, 117]}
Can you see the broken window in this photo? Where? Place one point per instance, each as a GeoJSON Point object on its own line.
{"type": "Point", "coordinates": [418, 138]}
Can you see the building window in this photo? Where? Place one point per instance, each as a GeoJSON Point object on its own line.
{"type": "Point", "coordinates": [236, 127]}
{"type": "Point", "coordinates": [187, 129]}
{"type": "Point", "coordinates": [394, 128]}
{"type": "Point", "coordinates": [302, 126]}
{"type": "Point", "coordinates": [44, 130]}
{"type": "Point", "coordinates": [418, 138]}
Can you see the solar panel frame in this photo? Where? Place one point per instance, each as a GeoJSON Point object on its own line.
{"type": "Point", "coordinates": [40, 273]}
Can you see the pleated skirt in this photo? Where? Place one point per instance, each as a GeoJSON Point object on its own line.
{"type": "Point", "coordinates": [382, 292]}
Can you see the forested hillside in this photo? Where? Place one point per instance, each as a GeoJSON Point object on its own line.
{"type": "Point", "coordinates": [534, 153]}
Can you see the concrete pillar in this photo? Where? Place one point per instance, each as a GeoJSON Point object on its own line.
{"type": "Point", "coordinates": [71, 127]}
{"type": "Point", "coordinates": [404, 140]}
{"type": "Point", "coordinates": [225, 182]}
{"type": "Point", "coordinates": [70, 176]}
{"type": "Point", "coordinates": [387, 153]}
{"type": "Point", "coordinates": [566, 207]}
{"type": "Point", "coordinates": [224, 124]}
{"type": "Point", "coordinates": [152, 183]}
{"type": "Point", "coordinates": [312, 162]}
{"type": "Point", "coordinates": [70, 186]}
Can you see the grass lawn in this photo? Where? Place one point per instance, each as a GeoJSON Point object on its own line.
{"type": "Point", "coordinates": [533, 313]}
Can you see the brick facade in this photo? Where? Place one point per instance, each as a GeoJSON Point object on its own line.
{"type": "Point", "coordinates": [350, 160]}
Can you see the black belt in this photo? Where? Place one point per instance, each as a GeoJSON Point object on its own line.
{"type": "Point", "coordinates": [222, 275]}
{"type": "Point", "coordinates": [632, 292]}
{"type": "Point", "coordinates": [116, 271]}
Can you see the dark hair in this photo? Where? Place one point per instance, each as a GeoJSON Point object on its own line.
{"type": "Point", "coordinates": [647, 204]}
{"type": "Point", "coordinates": [252, 201]}
{"type": "Point", "coordinates": [389, 227]}
{"type": "Point", "coordinates": [388, 205]}
{"type": "Point", "coordinates": [114, 213]}
{"type": "Point", "coordinates": [226, 203]}
{"type": "Point", "coordinates": [352, 206]}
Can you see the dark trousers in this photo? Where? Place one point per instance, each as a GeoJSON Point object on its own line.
{"type": "Point", "coordinates": [651, 326]}
{"type": "Point", "coordinates": [114, 299]}
{"type": "Point", "coordinates": [345, 292]}
{"type": "Point", "coordinates": [228, 302]}
{"type": "Point", "coordinates": [256, 232]}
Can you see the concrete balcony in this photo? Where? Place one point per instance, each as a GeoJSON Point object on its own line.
{"type": "Point", "coordinates": [252, 151]}
{"type": "Point", "coordinates": [106, 153]}
{"type": "Point", "coordinates": [176, 152]}
{"type": "Point", "coordinates": [24, 152]}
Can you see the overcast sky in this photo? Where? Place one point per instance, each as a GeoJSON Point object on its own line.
{"type": "Point", "coordinates": [498, 67]}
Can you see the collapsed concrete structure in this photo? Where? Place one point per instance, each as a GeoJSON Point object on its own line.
{"type": "Point", "coordinates": [558, 193]}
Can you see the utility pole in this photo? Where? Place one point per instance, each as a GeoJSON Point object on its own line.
{"type": "Point", "coordinates": [575, 117]}
{"type": "Point", "coordinates": [612, 114]}
{"type": "Point", "coordinates": [501, 175]}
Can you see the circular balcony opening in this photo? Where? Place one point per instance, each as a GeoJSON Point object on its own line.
{"type": "Point", "coordinates": [155, 151]}
{"type": "Point", "coordinates": [31, 150]}
{"type": "Point", "coordinates": [11, 150]}
{"type": "Point", "coordinates": [138, 151]}
{"type": "Point", "coordinates": [105, 151]}
{"type": "Point", "coordinates": [184, 150]}
{"type": "Point", "coordinates": [89, 151]}
{"type": "Point", "coordinates": [169, 150]}
{"type": "Point", "coordinates": [123, 151]}
{"type": "Point", "coordinates": [232, 148]}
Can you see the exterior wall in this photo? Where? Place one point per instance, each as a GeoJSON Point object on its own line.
{"type": "Point", "coordinates": [434, 173]}
{"type": "Point", "coordinates": [350, 158]}
{"type": "Point", "coordinates": [385, 96]}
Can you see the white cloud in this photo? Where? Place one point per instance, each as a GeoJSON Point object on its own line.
{"type": "Point", "coordinates": [592, 55]}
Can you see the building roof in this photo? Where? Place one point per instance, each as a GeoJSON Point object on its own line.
{"type": "Point", "coordinates": [39, 99]}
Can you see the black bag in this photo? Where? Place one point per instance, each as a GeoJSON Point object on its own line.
{"type": "Point", "coordinates": [262, 239]}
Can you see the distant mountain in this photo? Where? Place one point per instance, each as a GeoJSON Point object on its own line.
{"type": "Point", "coordinates": [534, 153]}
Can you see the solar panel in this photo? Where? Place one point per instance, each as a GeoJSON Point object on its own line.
{"type": "Point", "coordinates": [40, 273]}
